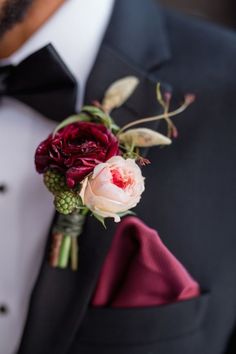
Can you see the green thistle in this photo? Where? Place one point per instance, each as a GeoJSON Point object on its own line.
{"type": "Point", "coordinates": [66, 202]}
{"type": "Point", "coordinates": [54, 182]}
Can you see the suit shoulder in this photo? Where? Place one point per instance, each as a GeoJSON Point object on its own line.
{"type": "Point", "coordinates": [200, 31]}
{"type": "Point", "coordinates": [198, 44]}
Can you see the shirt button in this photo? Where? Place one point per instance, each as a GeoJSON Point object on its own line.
{"type": "Point", "coordinates": [3, 188]}
{"type": "Point", "coordinates": [4, 310]}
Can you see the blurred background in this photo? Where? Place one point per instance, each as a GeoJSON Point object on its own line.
{"type": "Point", "coordinates": [219, 11]}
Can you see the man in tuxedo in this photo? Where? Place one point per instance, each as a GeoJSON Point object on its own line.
{"type": "Point", "coordinates": [57, 55]}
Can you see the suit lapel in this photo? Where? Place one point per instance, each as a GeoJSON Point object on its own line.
{"type": "Point", "coordinates": [61, 297]}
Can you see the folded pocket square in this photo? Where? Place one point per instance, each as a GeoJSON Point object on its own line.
{"type": "Point", "coordinates": [140, 271]}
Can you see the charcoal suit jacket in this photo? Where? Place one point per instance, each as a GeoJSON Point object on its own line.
{"type": "Point", "coordinates": [190, 196]}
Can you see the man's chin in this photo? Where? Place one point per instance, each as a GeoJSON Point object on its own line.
{"type": "Point", "coordinates": [12, 12]}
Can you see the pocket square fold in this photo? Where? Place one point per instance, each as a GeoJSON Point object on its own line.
{"type": "Point", "coordinates": [140, 271]}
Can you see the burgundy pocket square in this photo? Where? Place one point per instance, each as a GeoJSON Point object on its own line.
{"type": "Point", "coordinates": [140, 271]}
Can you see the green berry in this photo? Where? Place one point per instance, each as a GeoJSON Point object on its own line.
{"type": "Point", "coordinates": [55, 182]}
{"type": "Point", "coordinates": [65, 202]}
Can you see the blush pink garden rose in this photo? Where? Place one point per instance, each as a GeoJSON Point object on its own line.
{"type": "Point", "coordinates": [113, 188]}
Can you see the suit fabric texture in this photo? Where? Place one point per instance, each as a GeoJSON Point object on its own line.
{"type": "Point", "coordinates": [190, 196]}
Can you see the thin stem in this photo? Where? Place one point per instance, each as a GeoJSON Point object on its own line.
{"type": "Point", "coordinates": [155, 118]}
{"type": "Point", "coordinates": [74, 253]}
{"type": "Point", "coordinates": [55, 248]}
{"type": "Point", "coordinates": [168, 120]}
{"type": "Point", "coordinates": [65, 252]}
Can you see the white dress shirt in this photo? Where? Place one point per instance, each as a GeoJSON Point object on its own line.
{"type": "Point", "coordinates": [26, 208]}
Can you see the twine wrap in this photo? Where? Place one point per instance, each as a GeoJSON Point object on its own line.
{"type": "Point", "coordinates": [65, 235]}
{"type": "Point", "coordinates": [71, 224]}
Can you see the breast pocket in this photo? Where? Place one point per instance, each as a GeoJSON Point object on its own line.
{"type": "Point", "coordinates": [167, 329]}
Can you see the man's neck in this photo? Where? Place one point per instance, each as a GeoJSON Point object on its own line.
{"type": "Point", "coordinates": [39, 12]}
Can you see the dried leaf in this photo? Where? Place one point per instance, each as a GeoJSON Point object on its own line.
{"type": "Point", "coordinates": [119, 92]}
{"type": "Point", "coordinates": [143, 137]}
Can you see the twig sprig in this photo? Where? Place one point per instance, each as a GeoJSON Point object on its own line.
{"type": "Point", "coordinates": [189, 99]}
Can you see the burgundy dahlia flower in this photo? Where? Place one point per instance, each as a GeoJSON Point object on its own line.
{"type": "Point", "coordinates": [75, 150]}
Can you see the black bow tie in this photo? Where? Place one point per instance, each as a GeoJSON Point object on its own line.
{"type": "Point", "coordinates": [43, 82]}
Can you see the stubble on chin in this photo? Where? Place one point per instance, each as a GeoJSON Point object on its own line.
{"type": "Point", "coordinates": [12, 12]}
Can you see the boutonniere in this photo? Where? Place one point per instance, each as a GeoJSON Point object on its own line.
{"type": "Point", "coordinates": [91, 165]}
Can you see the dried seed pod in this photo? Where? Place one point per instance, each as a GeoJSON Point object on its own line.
{"type": "Point", "coordinates": [143, 137]}
{"type": "Point", "coordinates": [119, 92]}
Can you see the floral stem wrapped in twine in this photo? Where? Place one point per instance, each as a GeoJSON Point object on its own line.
{"type": "Point", "coordinates": [65, 234]}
